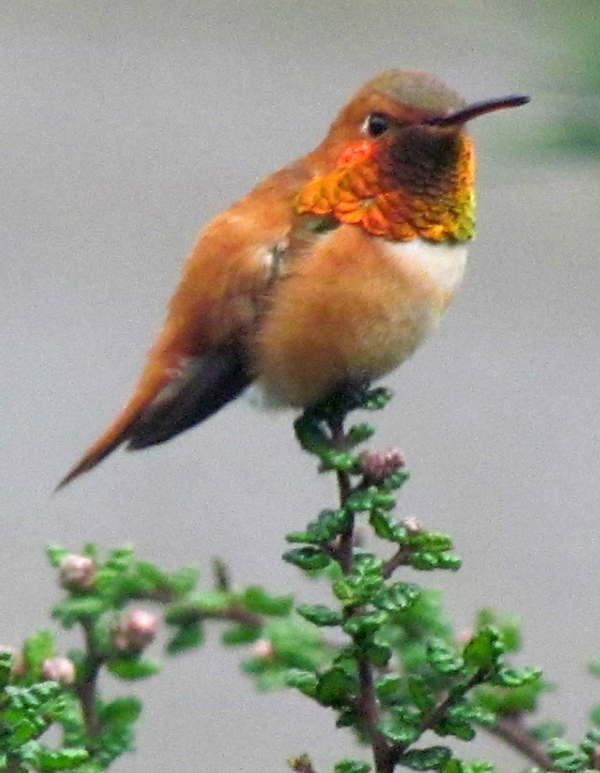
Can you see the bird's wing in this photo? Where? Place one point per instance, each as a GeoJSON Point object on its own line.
{"type": "Point", "coordinates": [197, 362]}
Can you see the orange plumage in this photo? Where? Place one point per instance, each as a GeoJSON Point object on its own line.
{"type": "Point", "coordinates": [330, 271]}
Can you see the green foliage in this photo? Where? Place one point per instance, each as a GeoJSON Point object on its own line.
{"type": "Point", "coordinates": [27, 710]}
{"type": "Point", "coordinates": [379, 654]}
{"type": "Point", "coordinates": [351, 766]}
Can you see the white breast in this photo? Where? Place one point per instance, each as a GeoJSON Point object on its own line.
{"type": "Point", "coordinates": [443, 264]}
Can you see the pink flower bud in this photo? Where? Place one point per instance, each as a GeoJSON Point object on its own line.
{"type": "Point", "coordinates": [412, 525]}
{"type": "Point", "coordinates": [136, 630]}
{"type": "Point", "coordinates": [263, 649]}
{"type": "Point", "coordinates": [76, 572]}
{"type": "Point", "coordinates": [464, 637]}
{"type": "Point", "coordinates": [61, 670]}
{"type": "Point", "coordinates": [379, 465]}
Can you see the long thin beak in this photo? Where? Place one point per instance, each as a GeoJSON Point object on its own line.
{"type": "Point", "coordinates": [476, 109]}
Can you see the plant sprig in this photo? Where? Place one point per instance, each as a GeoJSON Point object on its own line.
{"type": "Point", "coordinates": [381, 655]}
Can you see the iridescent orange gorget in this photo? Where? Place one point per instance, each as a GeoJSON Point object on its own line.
{"type": "Point", "coordinates": [356, 191]}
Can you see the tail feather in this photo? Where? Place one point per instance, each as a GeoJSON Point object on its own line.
{"type": "Point", "coordinates": [166, 404]}
{"type": "Point", "coordinates": [203, 386]}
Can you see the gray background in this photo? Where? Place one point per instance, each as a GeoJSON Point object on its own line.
{"type": "Point", "coordinates": [125, 127]}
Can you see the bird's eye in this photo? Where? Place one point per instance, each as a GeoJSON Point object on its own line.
{"type": "Point", "coordinates": [376, 124]}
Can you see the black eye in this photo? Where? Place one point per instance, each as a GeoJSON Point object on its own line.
{"type": "Point", "coordinates": [377, 124]}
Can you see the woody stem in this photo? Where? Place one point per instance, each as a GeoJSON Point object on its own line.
{"type": "Point", "coordinates": [366, 704]}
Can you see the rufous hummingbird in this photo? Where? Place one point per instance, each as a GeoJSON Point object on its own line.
{"type": "Point", "coordinates": [330, 272]}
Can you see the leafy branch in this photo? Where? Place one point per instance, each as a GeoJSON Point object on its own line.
{"type": "Point", "coordinates": [394, 672]}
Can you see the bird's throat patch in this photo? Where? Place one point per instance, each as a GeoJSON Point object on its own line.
{"type": "Point", "coordinates": [357, 191]}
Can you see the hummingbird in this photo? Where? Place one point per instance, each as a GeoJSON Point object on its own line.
{"type": "Point", "coordinates": [330, 272]}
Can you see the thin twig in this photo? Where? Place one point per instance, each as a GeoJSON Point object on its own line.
{"type": "Point", "coordinates": [368, 708]}
{"type": "Point", "coordinates": [233, 613]}
{"type": "Point", "coordinates": [512, 730]}
{"type": "Point", "coordinates": [301, 764]}
{"type": "Point", "coordinates": [367, 704]}
{"type": "Point", "coordinates": [86, 687]}
{"type": "Point", "coordinates": [399, 558]}
{"type": "Point", "coordinates": [346, 538]}
{"type": "Point", "coordinates": [432, 717]}
{"type": "Point", "coordinates": [221, 574]}
{"type": "Point", "coordinates": [236, 615]}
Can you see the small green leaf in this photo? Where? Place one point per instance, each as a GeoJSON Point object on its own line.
{"type": "Point", "coordinates": [320, 615]}
{"type": "Point", "coordinates": [384, 500]}
{"type": "Point", "coordinates": [396, 597]}
{"type": "Point", "coordinates": [30, 751]}
{"type": "Point", "coordinates": [377, 654]}
{"type": "Point", "coordinates": [458, 728]}
{"type": "Point", "coordinates": [305, 681]}
{"type": "Point", "coordinates": [567, 757]}
{"type": "Point", "coordinates": [343, 461]}
{"type": "Point", "coordinates": [121, 711]}
{"type": "Point", "coordinates": [311, 435]}
{"type": "Point", "coordinates": [198, 605]}
{"type": "Point", "coordinates": [510, 700]}
{"type": "Point", "coordinates": [186, 637]}
{"type": "Point", "coordinates": [469, 711]}
{"type": "Point", "coordinates": [385, 527]}
{"type": "Point", "coordinates": [361, 501]}
{"type": "Point", "coordinates": [547, 730]}
{"type": "Point", "coordinates": [508, 627]}
{"type": "Point", "coordinates": [329, 524]}
{"type": "Point", "coordinates": [150, 573]}
{"type": "Point", "coordinates": [377, 398]}
{"type": "Point", "coordinates": [419, 693]}
{"type": "Point", "coordinates": [60, 759]}
{"type": "Point", "coordinates": [401, 732]}
{"type": "Point", "coordinates": [347, 717]}
{"type": "Point", "coordinates": [366, 624]}
{"type": "Point", "coordinates": [595, 715]}
{"type": "Point", "coordinates": [590, 741]}
{"type": "Point", "coordinates": [427, 561]}
{"type": "Point", "coordinates": [344, 592]}
{"type": "Point", "coordinates": [484, 651]}
{"type": "Point", "coordinates": [56, 554]}
{"type": "Point", "coordinates": [443, 658]}
{"type": "Point", "coordinates": [299, 536]}
{"type": "Point", "coordinates": [449, 561]}
{"type": "Point", "coordinates": [594, 668]}
{"type": "Point", "coordinates": [211, 602]}
{"type": "Point", "coordinates": [351, 766]}
{"type": "Point", "coordinates": [257, 600]}
{"type": "Point", "coordinates": [511, 677]}
{"type": "Point", "coordinates": [183, 581]}
{"type": "Point", "coordinates": [120, 558]}
{"type": "Point", "coordinates": [431, 758]}
{"type": "Point", "coordinates": [240, 634]}
{"type": "Point", "coordinates": [423, 560]}
{"type": "Point", "coordinates": [308, 558]}
{"type": "Point", "coordinates": [388, 686]}
{"type": "Point", "coordinates": [38, 648]}
{"type": "Point", "coordinates": [71, 610]}
{"type": "Point", "coordinates": [23, 730]}
{"type": "Point", "coordinates": [334, 687]}
{"type": "Point", "coordinates": [132, 669]}
{"type": "Point", "coordinates": [359, 433]}
{"type": "Point", "coordinates": [430, 541]}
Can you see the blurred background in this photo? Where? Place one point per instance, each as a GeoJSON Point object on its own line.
{"type": "Point", "coordinates": [125, 127]}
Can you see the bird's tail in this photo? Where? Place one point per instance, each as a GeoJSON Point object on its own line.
{"type": "Point", "coordinates": [167, 402]}
{"type": "Point", "coordinates": [151, 384]}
